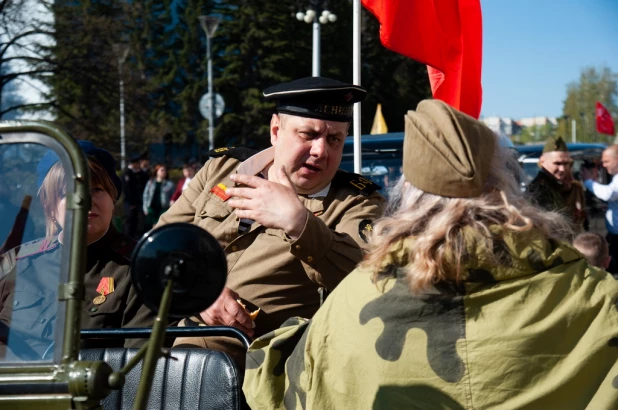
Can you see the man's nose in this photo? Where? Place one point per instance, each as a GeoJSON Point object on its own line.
{"type": "Point", "coordinates": [318, 147]}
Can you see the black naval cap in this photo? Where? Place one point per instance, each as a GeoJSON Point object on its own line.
{"type": "Point", "coordinates": [104, 158]}
{"type": "Point", "coordinates": [316, 97]}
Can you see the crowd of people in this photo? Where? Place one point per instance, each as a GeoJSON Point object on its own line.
{"type": "Point", "coordinates": [459, 292]}
{"type": "Point", "coordinates": [149, 193]}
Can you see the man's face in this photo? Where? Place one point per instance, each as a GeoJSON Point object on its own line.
{"type": "Point", "coordinates": [310, 149]}
{"type": "Point", "coordinates": [557, 163]}
{"type": "Point", "coordinates": [610, 161]}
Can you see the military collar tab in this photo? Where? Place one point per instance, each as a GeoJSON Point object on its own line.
{"type": "Point", "coordinates": [257, 162]}
{"type": "Point", "coordinates": [38, 246]}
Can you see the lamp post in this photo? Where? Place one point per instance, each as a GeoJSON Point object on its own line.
{"type": "Point", "coordinates": [122, 51]}
{"type": "Point", "coordinates": [316, 14]}
{"type": "Point", "coordinates": [209, 25]}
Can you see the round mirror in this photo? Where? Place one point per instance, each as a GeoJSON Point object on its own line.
{"type": "Point", "coordinates": [188, 255]}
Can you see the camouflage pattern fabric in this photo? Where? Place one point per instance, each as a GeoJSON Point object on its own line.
{"type": "Point", "coordinates": [531, 327]}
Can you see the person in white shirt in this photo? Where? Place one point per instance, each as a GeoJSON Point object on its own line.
{"type": "Point", "coordinates": [608, 193]}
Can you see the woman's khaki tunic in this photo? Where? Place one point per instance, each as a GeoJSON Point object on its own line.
{"type": "Point", "coordinates": [537, 330]}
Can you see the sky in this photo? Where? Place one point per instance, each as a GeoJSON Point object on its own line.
{"type": "Point", "coordinates": [533, 49]}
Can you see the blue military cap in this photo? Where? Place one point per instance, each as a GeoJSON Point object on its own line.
{"type": "Point", "coordinates": [316, 97]}
{"type": "Point", "coordinates": [103, 157]}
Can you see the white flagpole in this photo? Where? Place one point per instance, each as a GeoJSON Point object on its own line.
{"type": "Point", "coordinates": [356, 63]}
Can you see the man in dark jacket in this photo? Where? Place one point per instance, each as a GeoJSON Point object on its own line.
{"type": "Point", "coordinates": [553, 188]}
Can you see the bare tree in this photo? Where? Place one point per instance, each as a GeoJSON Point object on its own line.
{"type": "Point", "coordinates": [22, 31]}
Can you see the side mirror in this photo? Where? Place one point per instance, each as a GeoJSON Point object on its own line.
{"type": "Point", "coordinates": [179, 270]}
{"type": "Point", "coordinates": [190, 257]}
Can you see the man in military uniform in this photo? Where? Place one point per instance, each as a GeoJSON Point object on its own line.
{"type": "Point", "coordinates": [132, 187]}
{"type": "Point", "coordinates": [289, 220]}
{"type": "Point", "coordinates": [554, 188]}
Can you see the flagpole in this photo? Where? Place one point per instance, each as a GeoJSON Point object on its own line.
{"type": "Point", "coordinates": [356, 69]}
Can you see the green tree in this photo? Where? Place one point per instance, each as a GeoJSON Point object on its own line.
{"type": "Point", "coordinates": [83, 92]}
{"type": "Point", "coordinates": [594, 84]}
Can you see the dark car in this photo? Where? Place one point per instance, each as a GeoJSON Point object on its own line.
{"type": "Point", "coordinates": [382, 158]}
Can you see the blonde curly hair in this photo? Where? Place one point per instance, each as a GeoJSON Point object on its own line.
{"type": "Point", "coordinates": [437, 224]}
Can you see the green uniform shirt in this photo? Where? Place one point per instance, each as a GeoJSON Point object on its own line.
{"type": "Point", "coordinates": [533, 328]}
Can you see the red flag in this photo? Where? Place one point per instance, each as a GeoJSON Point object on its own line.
{"type": "Point", "coordinates": [447, 35]}
{"type": "Point", "coordinates": [605, 123]}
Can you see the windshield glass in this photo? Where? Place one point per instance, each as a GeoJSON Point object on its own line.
{"type": "Point", "coordinates": [31, 253]}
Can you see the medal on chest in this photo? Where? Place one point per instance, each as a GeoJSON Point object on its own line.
{"type": "Point", "coordinates": [106, 286]}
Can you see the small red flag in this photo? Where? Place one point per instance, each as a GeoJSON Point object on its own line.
{"type": "Point", "coordinates": [447, 35]}
{"type": "Point", "coordinates": [605, 123]}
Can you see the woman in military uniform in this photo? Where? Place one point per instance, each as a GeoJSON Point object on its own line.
{"type": "Point", "coordinates": [467, 299]}
{"type": "Point", "coordinates": [28, 294]}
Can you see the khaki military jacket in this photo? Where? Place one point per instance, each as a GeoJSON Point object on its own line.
{"type": "Point", "coordinates": [269, 270]}
{"type": "Point", "coordinates": [535, 328]}
{"type": "Point", "coordinates": [546, 192]}
{"type": "Point", "coordinates": [29, 295]}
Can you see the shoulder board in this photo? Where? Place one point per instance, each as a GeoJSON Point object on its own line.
{"type": "Point", "coordinates": [37, 246]}
{"type": "Point", "coordinates": [123, 245]}
{"type": "Point", "coordinates": [239, 153]}
{"type": "Point", "coordinates": [363, 185]}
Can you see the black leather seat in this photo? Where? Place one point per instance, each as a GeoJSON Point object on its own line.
{"type": "Point", "coordinates": [197, 379]}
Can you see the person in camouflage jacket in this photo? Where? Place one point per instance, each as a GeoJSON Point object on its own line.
{"type": "Point", "coordinates": [468, 299]}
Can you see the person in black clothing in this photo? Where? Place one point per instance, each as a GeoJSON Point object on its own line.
{"type": "Point", "coordinates": [133, 189]}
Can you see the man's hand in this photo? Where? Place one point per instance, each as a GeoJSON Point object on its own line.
{"type": "Point", "coordinates": [272, 204]}
{"type": "Point", "coordinates": [226, 311]}
{"type": "Point", "coordinates": [588, 173]}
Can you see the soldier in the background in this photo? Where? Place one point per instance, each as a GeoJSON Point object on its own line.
{"type": "Point", "coordinates": [466, 299]}
{"type": "Point", "coordinates": [132, 197]}
{"type": "Point", "coordinates": [554, 188]}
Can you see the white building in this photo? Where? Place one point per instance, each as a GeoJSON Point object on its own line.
{"type": "Point", "coordinates": [505, 127]}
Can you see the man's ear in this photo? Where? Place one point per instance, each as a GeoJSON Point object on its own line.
{"type": "Point", "coordinates": [542, 160]}
{"type": "Point", "coordinates": [607, 261]}
{"type": "Point", "coordinates": [275, 126]}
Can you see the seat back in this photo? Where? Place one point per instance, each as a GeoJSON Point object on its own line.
{"type": "Point", "coordinates": [192, 379]}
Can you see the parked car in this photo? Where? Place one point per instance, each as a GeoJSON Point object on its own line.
{"type": "Point", "coordinates": [382, 158]}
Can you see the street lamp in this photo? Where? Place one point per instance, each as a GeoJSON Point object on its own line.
{"type": "Point", "coordinates": [209, 25]}
{"type": "Point", "coordinates": [122, 51]}
{"type": "Point", "coordinates": [316, 14]}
